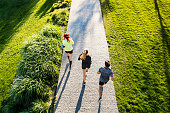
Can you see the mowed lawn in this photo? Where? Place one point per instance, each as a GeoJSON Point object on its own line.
{"type": "Point", "coordinates": [138, 35]}
{"type": "Point", "coordinates": [19, 19]}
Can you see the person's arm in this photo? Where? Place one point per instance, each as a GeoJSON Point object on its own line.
{"type": "Point", "coordinates": [111, 76]}
{"type": "Point", "coordinates": [79, 56]}
{"type": "Point", "coordinates": [99, 72]}
{"type": "Point", "coordinates": [72, 42]}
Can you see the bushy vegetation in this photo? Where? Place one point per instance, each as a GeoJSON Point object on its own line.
{"type": "Point", "coordinates": [59, 14]}
{"type": "Point", "coordinates": [37, 72]}
{"type": "Point", "coordinates": [19, 19]}
{"type": "Point", "coordinates": [138, 36]}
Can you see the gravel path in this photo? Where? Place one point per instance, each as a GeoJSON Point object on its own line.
{"type": "Point", "coordinates": [86, 28]}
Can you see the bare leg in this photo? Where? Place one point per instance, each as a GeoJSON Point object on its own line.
{"type": "Point", "coordinates": [100, 90]}
{"type": "Point", "coordinates": [84, 75]}
{"type": "Point", "coordinates": [87, 69]}
{"type": "Point", "coordinates": [70, 57]}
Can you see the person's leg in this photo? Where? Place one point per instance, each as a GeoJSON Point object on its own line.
{"type": "Point", "coordinates": [68, 56]}
{"type": "Point", "coordinates": [70, 59]}
{"type": "Point", "coordinates": [87, 69]}
{"type": "Point", "coordinates": [84, 75]}
{"type": "Point", "coordinates": [100, 91]}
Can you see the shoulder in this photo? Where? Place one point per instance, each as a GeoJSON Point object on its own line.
{"type": "Point", "coordinates": [101, 69]}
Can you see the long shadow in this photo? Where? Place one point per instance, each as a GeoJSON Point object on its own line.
{"type": "Point", "coordinates": [80, 99]}
{"type": "Point", "coordinates": [56, 90]}
{"type": "Point", "coordinates": [13, 14]}
{"type": "Point", "coordinates": [100, 102]}
{"type": "Point", "coordinates": [166, 45]}
{"type": "Point", "coordinates": [62, 91]}
{"type": "Point", "coordinates": [45, 7]}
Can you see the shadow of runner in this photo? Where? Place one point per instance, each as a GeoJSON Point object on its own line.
{"type": "Point", "coordinates": [62, 78]}
{"type": "Point", "coordinates": [56, 90]}
{"type": "Point", "coordinates": [80, 99]}
{"type": "Point", "coordinates": [100, 102]}
{"type": "Point", "coordinates": [62, 90]}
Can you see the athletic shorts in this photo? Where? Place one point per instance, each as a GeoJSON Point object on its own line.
{"type": "Point", "coordinates": [69, 51]}
{"type": "Point", "coordinates": [84, 66]}
{"type": "Point", "coordinates": [102, 83]}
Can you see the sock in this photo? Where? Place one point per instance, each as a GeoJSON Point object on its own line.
{"type": "Point", "coordinates": [68, 58]}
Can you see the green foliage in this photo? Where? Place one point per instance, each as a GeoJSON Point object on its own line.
{"type": "Point", "coordinates": [41, 59]}
{"type": "Point", "coordinates": [51, 31]}
{"type": "Point", "coordinates": [138, 35]}
{"type": "Point", "coordinates": [37, 72]}
{"type": "Point", "coordinates": [60, 17]}
{"type": "Point", "coordinates": [61, 4]}
{"type": "Point", "coordinates": [39, 107]}
{"type": "Point", "coordinates": [23, 92]}
{"type": "Point", "coordinates": [19, 19]}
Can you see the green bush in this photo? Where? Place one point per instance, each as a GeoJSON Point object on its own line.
{"type": "Point", "coordinates": [60, 4]}
{"type": "Point", "coordinates": [23, 92]}
{"type": "Point", "coordinates": [51, 31]}
{"type": "Point", "coordinates": [41, 60]}
{"type": "Point", "coordinates": [59, 17]}
{"type": "Point", "coordinates": [37, 72]}
{"type": "Point", "coordinates": [39, 106]}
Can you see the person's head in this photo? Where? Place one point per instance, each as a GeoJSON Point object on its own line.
{"type": "Point", "coordinates": [67, 36]}
{"type": "Point", "coordinates": [107, 63]}
{"type": "Point", "coordinates": [83, 56]}
{"type": "Point", "coordinates": [85, 51]}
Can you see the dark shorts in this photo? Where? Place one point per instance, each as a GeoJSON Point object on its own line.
{"type": "Point", "coordinates": [69, 51]}
{"type": "Point", "coordinates": [84, 66]}
{"type": "Point", "coordinates": [102, 83]}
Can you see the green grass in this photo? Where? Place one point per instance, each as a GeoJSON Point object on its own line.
{"type": "Point", "coordinates": [139, 45]}
{"type": "Point", "coordinates": [19, 19]}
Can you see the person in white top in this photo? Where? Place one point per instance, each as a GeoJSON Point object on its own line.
{"type": "Point", "coordinates": [68, 46]}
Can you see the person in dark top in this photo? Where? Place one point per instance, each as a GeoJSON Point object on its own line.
{"type": "Point", "coordinates": [105, 74]}
{"type": "Point", "coordinates": [86, 62]}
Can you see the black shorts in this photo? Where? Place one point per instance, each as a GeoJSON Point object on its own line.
{"type": "Point", "coordinates": [102, 83]}
{"type": "Point", "coordinates": [84, 66]}
{"type": "Point", "coordinates": [69, 51]}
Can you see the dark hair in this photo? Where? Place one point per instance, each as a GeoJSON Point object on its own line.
{"type": "Point", "coordinates": [107, 63]}
{"type": "Point", "coordinates": [67, 36]}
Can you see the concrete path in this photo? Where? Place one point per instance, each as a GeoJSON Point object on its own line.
{"type": "Point", "coordinates": [86, 28]}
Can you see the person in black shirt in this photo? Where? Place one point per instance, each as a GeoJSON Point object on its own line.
{"type": "Point", "coordinates": [86, 62]}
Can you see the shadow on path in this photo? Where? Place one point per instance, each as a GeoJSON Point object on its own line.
{"type": "Point", "coordinates": [100, 103]}
{"type": "Point", "coordinates": [80, 99]}
{"type": "Point", "coordinates": [56, 90]}
{"type": "Point", "coordinates": [62, 78]}
{"type": "Point", "coordinates": [62, 91]}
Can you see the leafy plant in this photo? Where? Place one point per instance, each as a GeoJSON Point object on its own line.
{"type": "Point", "coordinates": [60, 17]}
{"type": "Point", "coordinates": [23, 92]}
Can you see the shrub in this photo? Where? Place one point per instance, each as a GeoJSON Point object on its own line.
{"type": "Point", "coordinates": [60, 17]}
{"type": "Point", "coordinates": [41, 60]}
{"type": "Point", "coordinates": [51, 31]}
{"type": "Point", "coordinates": [37, 72]}
{"type": "Point", "coordinates": [23, 92]}
{"type": "Point", "coordinates": [60, 4]}
{"type": "Point", "coordinates": [39, 106]}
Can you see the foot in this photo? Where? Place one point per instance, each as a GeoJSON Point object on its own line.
{"type": "Point", "coordinates": [100, 99]}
